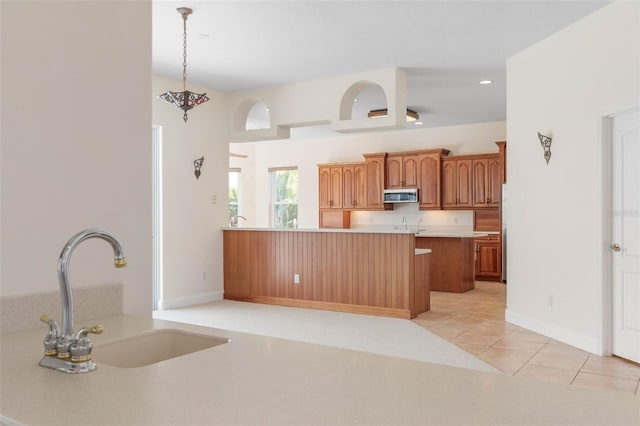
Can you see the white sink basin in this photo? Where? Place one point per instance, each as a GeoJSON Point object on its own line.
{"type": "Point", "coordinates": [153, 347]}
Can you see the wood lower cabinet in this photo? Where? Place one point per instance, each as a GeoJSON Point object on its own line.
{"type": "Point", "coordinates": [488, 258]}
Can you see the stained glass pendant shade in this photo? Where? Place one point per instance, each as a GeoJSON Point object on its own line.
{"type": "Point", "coordinates": [186, 99]}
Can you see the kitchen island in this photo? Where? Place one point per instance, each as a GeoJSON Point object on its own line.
{"type": "Point", "coordinates": [452, 261]}
{"type": "Point", "coordinates": [258, 380]}
{"type": "Point", "coordinates": [368, 271]}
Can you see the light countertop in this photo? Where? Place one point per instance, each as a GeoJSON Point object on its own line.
{"type": "Point", "coordinates": [442, 233]}
{"type": "Point", "coordinates": [351, 230]}
{"type": "Point", "coordinates": [268, 381]}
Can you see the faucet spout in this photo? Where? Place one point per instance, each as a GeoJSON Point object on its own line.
{"type": "Point", "coordinates": [64, 351]}
{"type": "Point", "coordinates": [63, 272]}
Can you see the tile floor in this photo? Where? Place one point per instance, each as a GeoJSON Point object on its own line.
{"type": "Point", "coordinates": [474, 321]}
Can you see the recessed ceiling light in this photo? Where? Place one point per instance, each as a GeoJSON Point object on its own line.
{"type": "Point", "coordinates": [355, 100]}
{"type": "Point", "coordinates": [418, 123]}
{"type": "Point", "coordinates": [486, 81]}
{"type": "Point", "coordinates": [266, 109]}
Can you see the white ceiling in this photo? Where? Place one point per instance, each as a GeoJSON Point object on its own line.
{"type": "Point", "coordinates": [447, 47]}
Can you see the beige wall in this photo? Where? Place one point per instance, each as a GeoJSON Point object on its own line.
{"type": "Point", "coordinates": [75, 143]}
{"type": "Point", "coordinates": [191, 222]}
{"type": "Point", "coordinates": [564, 87]}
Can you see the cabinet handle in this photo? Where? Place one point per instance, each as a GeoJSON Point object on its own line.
{"type": "Point", "coordinates": [488, 200]}
{"type": "Point", "coordinates": [355, 202]}
{"type": "Point", "coordinates": [330, 202]}
{"type": "Point", "coordinates": [401, 183]}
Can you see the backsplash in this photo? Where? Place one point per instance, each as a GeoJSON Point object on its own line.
{"type": "Point", "coordinates": [23, 312]}
{"type": "Point", "coordinates": [459, 219]}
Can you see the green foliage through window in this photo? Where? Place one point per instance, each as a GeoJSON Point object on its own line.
{"type": "Point", "coordinates": [285, 198]}
{"type": "Point", "coordinates": [234, 179]}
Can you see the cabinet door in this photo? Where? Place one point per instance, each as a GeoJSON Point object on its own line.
{"type": "Point", "coordinates": [449, 184]}
{"type": "Point", "coordinates": [494, 182]}
{"type": "Point", "coordinates": [374, 182]}
{"type": "Point", "coordinates": [410, 171]}
{"type": "Point", "coordinates": [348, 185]}
{"type": "Point", "coordinates": [464, 179]}
{"type": "Point", "coordinates": [488, 260]}
{"type": "Point", "coordinates": [480, 173]}
{"type": "Point", "coordinates": [429, 182]}
{"type": "Point", "coordinates": [335, 202]}
{"type": "Point", "coordinates": [394, 172]}
{"type": "Point", "coordinates": [359, 188]}
{"type": "Point", "coordinates": [324, 190]}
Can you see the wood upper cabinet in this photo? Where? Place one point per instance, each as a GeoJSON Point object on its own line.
{"type": "Point", "coordinates": [353, 181]}
{"type": "Point", "coordinates": [324, 185]}
{"type": "Point", "coordinates": [457, 181]}
{"type": "Point", "coordinates": [330, 187]}
{"type": "Point", "coordinates": [429, 181]}
{"type": "Point", "coordinates": [494, 185]}
{"type": "Point", "coordinates": [402, 171]}
{"type": "Point", "coordinates": [487, 182]}
{"type": "Point", "coordinates": [374, 181]}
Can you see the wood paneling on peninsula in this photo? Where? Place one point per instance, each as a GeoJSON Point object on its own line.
{"type": "Point", "coordinates": [371, 273]}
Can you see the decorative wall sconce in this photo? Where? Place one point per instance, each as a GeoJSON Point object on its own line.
{"type": "Point", "coordinates": [197, 164]}
{"type": "Point", "coordinates": [545, 141]}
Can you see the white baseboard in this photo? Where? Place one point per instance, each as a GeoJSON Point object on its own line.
{"type": "Point", "coordinates": [555, 332]}
{"type": "Point", "coordinates": [196, 299]}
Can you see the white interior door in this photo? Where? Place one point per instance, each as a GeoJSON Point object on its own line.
{"type": "Point", "coordinates": [625, 243]}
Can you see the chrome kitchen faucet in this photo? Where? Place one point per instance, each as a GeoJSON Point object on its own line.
{"type": "Point", "coordinates": [64, 351]}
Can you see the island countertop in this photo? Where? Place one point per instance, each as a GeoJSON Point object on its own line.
{"type": "Point", "coordinates": [268, 381]}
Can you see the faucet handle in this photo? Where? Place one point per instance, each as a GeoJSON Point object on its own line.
{"type": "Point", "coordinates": [81, 348]}
{"type": "Point", "coordinates": [45, 318]}
{"type": "Point", "coordinates": [82, 333]}
{"type": "Point", "coordinates": [51, 339]}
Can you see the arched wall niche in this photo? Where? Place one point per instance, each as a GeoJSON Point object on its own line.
{"type": "Point", "coordinates": [252, 114]}
{"type": "Point", "coordinates": [369, 94]}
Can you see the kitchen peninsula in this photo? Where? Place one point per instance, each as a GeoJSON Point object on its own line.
{"type": "Point", "coordinates": [375, 272]}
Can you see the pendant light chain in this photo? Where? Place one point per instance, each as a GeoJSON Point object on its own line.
{"type": "Point", "coordinates": [184, 53]}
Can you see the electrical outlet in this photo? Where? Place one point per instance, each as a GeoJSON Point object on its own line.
{"type": "Point", "coordinates": [296, 278]}
{"type": "Point", "coordinates": [455, 220]}
{"type": "Point", "coordinates": [214, 199]}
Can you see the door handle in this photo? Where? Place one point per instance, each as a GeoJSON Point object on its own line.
{"type": "Point", "coordinates": [616, 247]}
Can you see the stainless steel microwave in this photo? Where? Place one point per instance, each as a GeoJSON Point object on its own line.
{"type": "Point", "coordinates": [409, 195]}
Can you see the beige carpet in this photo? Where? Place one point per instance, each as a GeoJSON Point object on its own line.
{"type": "Point", "coordinates": [386, 336]}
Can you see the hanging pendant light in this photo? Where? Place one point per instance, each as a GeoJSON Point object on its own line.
{"type": "Point", "coordinates": [184, 100]}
